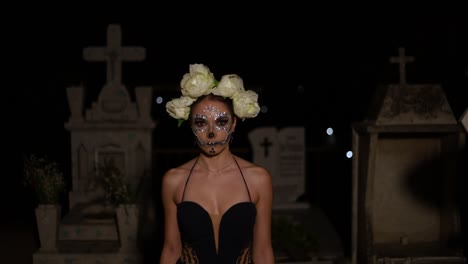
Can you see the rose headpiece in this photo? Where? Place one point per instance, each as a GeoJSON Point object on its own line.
{"type": "Point", "coordinates": [200, 81]}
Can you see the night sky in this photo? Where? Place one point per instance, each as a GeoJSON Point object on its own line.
{"type": "Point", "coordinates": [310, 70]}
{"type": "Point", "coordinates": [312, 67]}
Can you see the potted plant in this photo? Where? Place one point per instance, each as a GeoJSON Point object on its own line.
{"type": "Point", "coordinates": [122, 196]}
{"type": "Point", "coordinates": [46, 179]}
{"type": "Point", "coordinates": [116, 187]}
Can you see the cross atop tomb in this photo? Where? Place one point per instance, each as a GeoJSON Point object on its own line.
{"type": "Point", "coordinates": [402, 60]}
{"type": "Point", "coordinates": [266, 144]}
{"type": "Point", "coordinates": [114, 54]}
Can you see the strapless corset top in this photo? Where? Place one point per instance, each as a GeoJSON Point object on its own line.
{"type": "Point", "coordinates": [197, 232]}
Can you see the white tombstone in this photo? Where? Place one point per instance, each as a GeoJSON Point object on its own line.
{"type": "Point", "coordinates": [282, 152]}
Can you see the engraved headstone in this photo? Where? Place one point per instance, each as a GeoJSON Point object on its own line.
{"type": "Point", "coordinates": [282, 152]}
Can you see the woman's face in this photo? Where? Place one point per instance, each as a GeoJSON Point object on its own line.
{"type": "Point", "coordinates": [212, 124]}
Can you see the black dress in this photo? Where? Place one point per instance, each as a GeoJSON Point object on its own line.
{"type": "Point", "coordinates": [197, 234]}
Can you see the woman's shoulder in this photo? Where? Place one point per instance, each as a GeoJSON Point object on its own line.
{"type": "Point", "coordinates": [255, 172]}
{"type": "Point", "coordinates": [175, 175]}
{"type": "Point", "coordinates": [258, 178]}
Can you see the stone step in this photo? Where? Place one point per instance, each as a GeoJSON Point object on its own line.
{"type": "Point", "coordinates": [423, 260]}
{"type": "Point", "coordinates": [87, 247]}
{"type": "Point", "coordinates": [98, 258]}
{"type": "Point", "coordinates": [84, 252]}
{"type": "Point", "coordinates": [88, 232]}
{"type": "Point", "coordinates": [77, 226]}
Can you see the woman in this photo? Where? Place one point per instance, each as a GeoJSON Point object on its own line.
{"type": "Point", "coordinates": [217, 206]}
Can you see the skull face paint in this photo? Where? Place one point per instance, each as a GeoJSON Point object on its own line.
{"type": "Point", "coordinates": [212, 125]}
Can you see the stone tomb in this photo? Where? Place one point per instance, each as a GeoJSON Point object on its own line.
{"type": "Point", "coordinates": [404, 175]}
{"type": "Point", "coordinates": [114, 128]}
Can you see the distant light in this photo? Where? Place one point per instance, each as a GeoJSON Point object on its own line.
{"type": "Point", "coordinates": [349, 154]}
{"type": "Point", "coordinates": [329, 131]}
{"type": "Point", "coordinates": [159, 100]}
{"type": "Point", "coordinates": [300, 88]}
{"type": "Point", "coordinates": [264, 108]}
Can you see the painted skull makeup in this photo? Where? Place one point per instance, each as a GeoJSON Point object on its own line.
{"type": "Point", "coordinates": [210, 125]}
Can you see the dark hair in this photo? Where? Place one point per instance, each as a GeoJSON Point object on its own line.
{"type": "Point", "coordinates": [226, 100]}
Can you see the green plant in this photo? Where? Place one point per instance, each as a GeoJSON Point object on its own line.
{"type": "Point", "coordinates": [44, 177]}
{"type": "Point", "coordinates": [292, 239]}
{"type": "Point", "coordinates": [115, 184]}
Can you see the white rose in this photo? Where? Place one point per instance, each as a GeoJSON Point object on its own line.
{"type": "Point", "coordinates": [245, 104]}
{"type": "Point", "coordinates": [179, 108]}
{"type": "Point", "coordinates": [229, 86]}
{"type": "Point", "coordinates": [198, 82]}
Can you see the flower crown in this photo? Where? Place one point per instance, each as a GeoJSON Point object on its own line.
{"type": "Point", "coordinates": [200, 81]}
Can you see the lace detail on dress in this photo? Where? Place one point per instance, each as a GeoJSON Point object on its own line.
{"type": "Point", "coordinates": [188, 255]}
{"type": "Point", "coordinates": [245, 257]}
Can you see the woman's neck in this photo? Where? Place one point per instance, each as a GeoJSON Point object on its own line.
{"type": "Point", "coordinates": [216, 163]}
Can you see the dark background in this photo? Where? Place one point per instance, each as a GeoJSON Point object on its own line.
{"type": "Point", "coordinates": [312, 66]}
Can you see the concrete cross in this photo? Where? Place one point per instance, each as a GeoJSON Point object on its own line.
{"type": "Point", "coordinates": [402, 60]}
{"type": "Point", "coordinates": [114, 54]}
{"type": "Point", "coordinates": [266, 144]}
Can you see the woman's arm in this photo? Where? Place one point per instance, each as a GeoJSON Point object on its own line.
{"type": "Point", "coordinates": [262, 248]}
{"type": "Point", "coordinates": [172, 245]}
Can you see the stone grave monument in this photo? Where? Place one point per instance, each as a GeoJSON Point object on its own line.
{"type": "Point", "coordinates": [283, 153]}
{"type": "Point", "coordinates": [404, 175]}
{"type": "Point", "coordinates": [114, 128]}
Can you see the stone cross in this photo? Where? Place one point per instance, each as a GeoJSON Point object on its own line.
{"type": "Point", "coordinates": [114, 54]}
{"type": "Point", "coordinates": [402, 60]}
{"type": "Point", "coordinates": [266, 144]}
